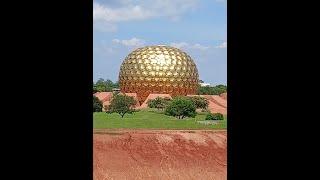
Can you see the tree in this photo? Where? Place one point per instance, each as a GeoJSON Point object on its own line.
{"type": "Point", "coordinates": [166, 101]}
{"type": "Point", "coordinates": [116, 84]}
{"type": "Point", "coordinates": [97, 104]}
{"type": "Point", "coordinates": [181, 107]}
{"type": "Point", "coordinates": [122, 104]}
{"type": "Point", "coordinates": [199, 102]}
{"type": "Point", "coordinates": [151, 103]}
{"type": "Point", "coordinates": [201, 81]}
{"type": "Point", "coordinates": [104, 85]}
{"type": "Point", "coordinates": [94, 88]}
{"type": "Point", "coordinates": [159, 103]}
{"type": "Point", "coordinates": [213, 90]}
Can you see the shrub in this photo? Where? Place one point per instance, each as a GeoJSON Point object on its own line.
{"type": "Point", "coordinates": [97, 104]}
{"type": "Point", "coordinates": [151, 103]}
{"type": "Point", "coordinates": [210, 117]}
{"type": "Point", "coordinates": [216, 116]}
{"type": "Point", "coordinates": [199, 102]}
{"type": "Point", "coordinates": [159, 103]}
{"type": "Point", "coordinates": [181, 107]}
{"type": "Point", "coordinates": [219, 116]}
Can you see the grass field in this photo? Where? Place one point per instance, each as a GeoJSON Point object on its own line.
{"type": "Point", "coordinates": [151, 119]}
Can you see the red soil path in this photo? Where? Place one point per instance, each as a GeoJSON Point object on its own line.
{"type": "Point", "coordinates": [160, 155]}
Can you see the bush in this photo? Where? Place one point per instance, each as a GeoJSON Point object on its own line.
{"type": "Point", "coordinates": [151, 104]}
{"type": "Point", "coordinates": [97, 104]}
{"type": "Point", "coordinates": [219, 116]}
{"type": "Point", "coordinates": [159, 103]}
{"type": "Point", "coordinates": [122, 104]}
{"type": "Point", "coordinates": [181, 107]}
{"type": "Point", "coordinates": [216, 116]}
{"type": "Point", "coordinates": [199, 102]}
{"type": "Point", "coordinates": [210, 117]}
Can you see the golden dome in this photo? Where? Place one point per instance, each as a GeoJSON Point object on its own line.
{"type": "Point", "coordinates": [158, 70]}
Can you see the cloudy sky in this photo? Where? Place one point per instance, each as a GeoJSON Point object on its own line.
{"type": "Point", "coordinates": [198, 27]}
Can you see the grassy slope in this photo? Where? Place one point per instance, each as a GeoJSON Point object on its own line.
{"type": "Point", "coordinates": [151, 119]}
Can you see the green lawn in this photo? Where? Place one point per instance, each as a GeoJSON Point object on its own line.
{"type": "Point", "coordinates": [151, 119]}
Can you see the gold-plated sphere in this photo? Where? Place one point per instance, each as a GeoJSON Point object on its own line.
{"type": "Point", "coordinates": [158, 70]}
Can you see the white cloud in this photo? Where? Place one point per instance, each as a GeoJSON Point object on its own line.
{"type": "Point", "coordinates": [189, 46]}
{"type": "Point", "coordinates": [105, 26]}
{"type": "Point", "coordinates": [179, 45]}
{"type": "Point", "coordinates": [131, 42]}
{"type": "Point", "coordinates": [223, 45]}
{"type": "Point", "coordinates": [107, 15]}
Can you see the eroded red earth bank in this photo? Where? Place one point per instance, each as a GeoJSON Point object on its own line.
{"type": "Point", "coordinates": [160, 154]}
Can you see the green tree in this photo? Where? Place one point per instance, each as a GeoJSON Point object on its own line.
{"type": "Point", "coordinates": [94, 88]}
{"type": "Point", "coordinates": [116, 84]}
{"type": "Point", "coordinates": [97, 104]}
{"type": "Point", "coordinates": [122, 104]}
{"type": "Point", "coordinates": [100, 85]}
{"type": "Point", "coordinates": [199, 102]}
{"type": "Point", "coordinates": [181, 107]}
{"type": "Point", "coordinates": [151, 103]}
{"type": "Point", "coordinates": [159, 103]}
{"type": "Point", "coordinates": [166, 101]}
{"type": "Point", "coordinates": [213, 90]}
{"type": "Point", "coordinates": [104, 85]}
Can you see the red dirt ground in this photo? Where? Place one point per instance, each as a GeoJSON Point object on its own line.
{"type": "Point", "coordinates": [160, 155]}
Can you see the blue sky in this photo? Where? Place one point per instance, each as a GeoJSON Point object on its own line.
{"type": "Point", "coordinates": [198, 27]}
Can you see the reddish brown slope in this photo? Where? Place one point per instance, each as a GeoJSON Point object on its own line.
{"type": "Point", "coordinates": [219, 100]}
{"type": "Point", "coordinates": [160, 155]}
{"type": "Point", "coordinates": [224, 96]}
{"type": "Point", "coordinates": [104, 96]}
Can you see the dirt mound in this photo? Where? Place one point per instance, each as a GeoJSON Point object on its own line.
{"type": "Point", "coordinates": [224, 96]}
{"type": "Point", "coordinates": [219, 100]}
{"type": "Point", "coordinates": [103, 96]}
{"type": "Point", "coordinates": [216, 103]}
{"type": "Point", "coordinates": [160, 154]}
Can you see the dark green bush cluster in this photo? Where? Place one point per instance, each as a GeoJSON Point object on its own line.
{"type": "Point", "coordinates": [181, 107]}
{"type": "Point", "coordinates": [215, 116]}
{"type": "Point", "coordinates": [97, 104]}
{"type": "Point", "coordinates": [159, 103]}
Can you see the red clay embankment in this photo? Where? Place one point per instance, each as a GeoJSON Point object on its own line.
{"type": "Point", "coordinates": [160, 154]}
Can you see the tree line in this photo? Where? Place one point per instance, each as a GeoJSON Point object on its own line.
{"type": "Point", "coordinates": [107, 85]}
{"type": "Point", "coordinates": [211, 90]}
{"type": "Point", "coordinates": [179, 106]}
{"type": "Point", "coordinates": [104, 85]}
